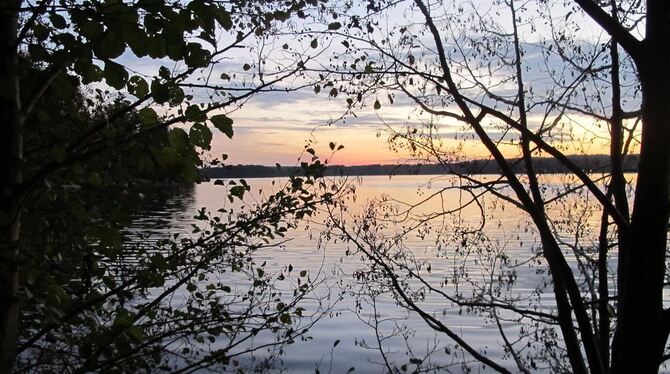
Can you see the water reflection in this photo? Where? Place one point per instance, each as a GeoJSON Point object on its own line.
{"type": "Point", "coordinates": [368, 329]}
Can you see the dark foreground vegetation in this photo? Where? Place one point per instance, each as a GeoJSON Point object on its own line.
{"type": "Point", "coordinates": [100, 99]}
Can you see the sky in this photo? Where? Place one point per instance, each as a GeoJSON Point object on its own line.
{"type": "Point", "coordinates": [276, 127]}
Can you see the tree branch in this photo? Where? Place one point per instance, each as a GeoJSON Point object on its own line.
{"type": "Point", "coordinates": [612, 27]}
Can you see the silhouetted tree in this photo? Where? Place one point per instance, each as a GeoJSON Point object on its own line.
{"type": "Point", "coordinates": [77, 115]}
{"type": "Point", "coordinates": [520, 78]}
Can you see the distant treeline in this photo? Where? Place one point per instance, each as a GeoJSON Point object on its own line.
{"type": "Point", "coordinates": [590, 163]}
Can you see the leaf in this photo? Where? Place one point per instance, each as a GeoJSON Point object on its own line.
{"type": "Point", "coordinates": [246, 67]}
{"type": "Point", "coordinates": [331, 145]}
{"type": "Point", "coordinates": [225, 76]}
{"type": "Point", "coordinates": [223, 123]}
{"type": "Point", "coordinates": [138, 87]}
{"type": "Point", "coordinates": [200, 136]}
{"type": "Point", "coordinates": [159, 91]}
{"type": "Point", "coordinates": [314, 44]}
{"type": "Point", "coordinates": [110, 46]}
{"type": "Point", "coordinates": [336, 343]}
{"type": "Point", "coordinates": [196, 56]}
{"type": "Point", "coordinates": [175, 43]}
{"type": "Point", "coordinates": [334, 26]}
{"type": "Point", "coordinates": [194, 113]}
{"type": "Point", "coordinates": [156, 47]}
{"type": "Point", "coordinates": [115, 75]}
{"type": "Point", "coordinates": [238, 191]}
{"type": "Point", "coordinates": [285, 318]}
{"type": "Point", "coordinates": [40, 32]}
{"type": "Point", "coordinates": [90, 29]}
{"type": "Point", "coordinates": [88, 71]}
{"type": "Point", "coordinates": [57, 20]}
{"type": "Point", "coordinates": [179, 140]}
{"type": "Point", "coordinates": [148, 116]}
{"type": "Point", "coordinates": [369, 69]}
{"type": "Point", "coordinates": [281, 16]}
{"type": "Point", "coordinates": [223, 18]}
{"type": "Point", "coordinates": [303, 273]}
{"type": "Point", "coordinates": [138, 41]}
{"type": "Point", "coordinates": [377, 105]}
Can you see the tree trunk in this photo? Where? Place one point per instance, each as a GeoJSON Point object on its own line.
{"type": "Point", "coordinates": [11, 155]}
{"type": "Point", "coordinates": [641, 327]}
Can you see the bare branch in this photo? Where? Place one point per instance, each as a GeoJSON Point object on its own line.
{"type": "Point", "coordinates": [612, 27]}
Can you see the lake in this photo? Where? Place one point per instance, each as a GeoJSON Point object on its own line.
{"type": "Point", "coordinates": [469, 254]}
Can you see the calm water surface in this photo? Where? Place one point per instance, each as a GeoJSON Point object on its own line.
{"type": "Point", "coordinates": [505, 226]}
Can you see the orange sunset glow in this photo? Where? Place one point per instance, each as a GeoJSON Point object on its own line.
{"type": "Point", "coordinates": [266, 134]}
